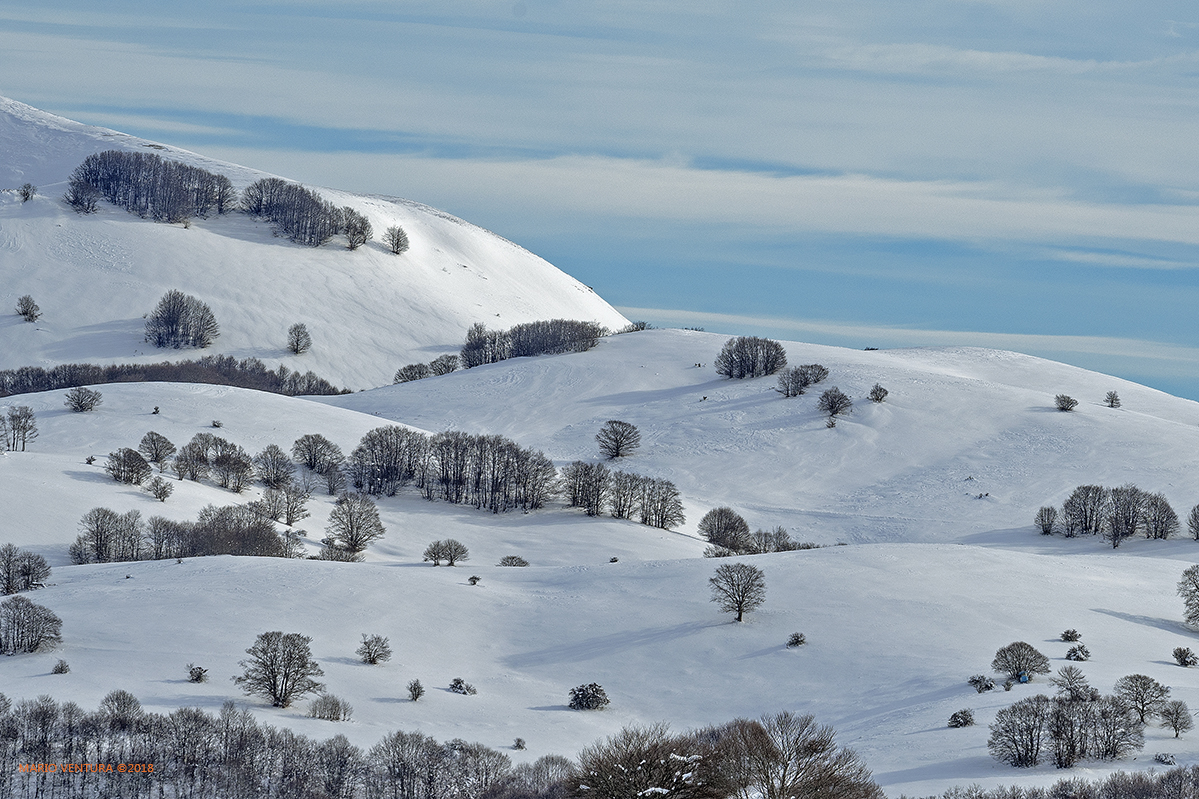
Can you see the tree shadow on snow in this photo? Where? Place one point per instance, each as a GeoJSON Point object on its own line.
{"type": "Point", "coordinates": [552, 707]}
{"type": "Point", "coordinates": [1170, 625]}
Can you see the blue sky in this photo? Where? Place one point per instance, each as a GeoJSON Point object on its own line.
{"type": "Point", "coordinates": [1001, 173]}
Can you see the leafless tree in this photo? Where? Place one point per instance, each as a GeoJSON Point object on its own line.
{"type": "Point", "coordinates": [127, 466]}
{"type": "Point", "coordinates": [81, 399]}
{"type": "Point", "coordinates": [1046, 519]}
{"type": "Point", "coordinates": [1161, 521]}
{"type": "Point", "coordinates": [27, 192]}
{"type": "Point", "coordinates": [1188, 589]}
{"type": "Point", "coordinates": [617, 439]}
{"type": "Point", "coordinates": [650, 761]}
{"type": "Point", "coordinates": [298, 339]}
{"type": "Point", "coordinates": [412, 372]}
{"type": "Point", "coordinates": [878, 393]}
{"type": "Point", "coordinates": [280, 668]}
{"type": "Point", "coordinates": [1020, 732]}
{"type": "Point", "coordinates": [1112, 399]}
{"type": "Point", "coordinates": [181, 320]}
{"type": "Point", "coordinates": [1193, 522]}
{"type": "Point", "coordinates": [354, 522]}
{"type": "Point", "coordinates": [274, 468]}
{"type": "Point", "coordinates": [1065, 402]}
{"type": "Point", "coordinates": [1019, 658]}
{"type": "Point", "coordinates": [356, 227]}
{"type": "Point", "coordinates": [738, 588]}
{"type": "Point", "coordinates": [1143, 694]}
{"type": "Point", "coordinates": [444, 364]}
{"type": "Point", "coordinates": [156, 448]}
{"type": "Point", "coordinates": [396, 239]}
{"type": "Point", "coordinates": [724, 527]}
{"type": "Point", "coordinates": [750, 356]}
{"type": "Point", "coordinates": [1125, 513]}
{"type": "Point", "coordinates": [27, 627]}
{"type": "Point", "coordinates": [1085, 510]}
{"type": "Point", "coordinates": [793, 381]}
{"type": "Point", "coordinates": [834, 402]}
{"type": "Point", "coordinates": [374, 649]}
{"type": "Point", "coordinates": [160, 489]}
{"type": "Point", "coordinates": [1177, 716]}
{"type": "Point", "coordinates": [27, 309]}
{"type": "Point", "coordinates": [22, 427]}
{"type": "Point", "coordinates": [232, 466]}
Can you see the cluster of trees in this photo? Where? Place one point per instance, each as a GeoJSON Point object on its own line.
{"type": "Point", "coordinates": [149, 186]}
{"type": "Point", "coordinates": [728, 534]}
{"type": "Point", "coordinates": [624, 495]}
{"type": "Point", "coordinates": [21, 570]}
{"type": "Point", "coordinates": [552, 337]}
{"type": "Point", "coordinates": [27, 627]}
{"type": "Point", "coordinates": [1079, 723]}
{"type": "Point", "coordinates": [181, 320]}
{"type": "Point", "coordinates": [1115, 514]}
{"type": "Point", "coordinates": [231, 755]}
{"type": "Point", "coordinates": [296, 212]}
{"type": "Point", "coordinates": [18, 426]}
{"type": "Point", "coordinates": [750, 356]}
{"type": "Point", "coordinates": [1175, 783]}
{"type": "Point", "coordinates": [485, 471]}
{"type": "Point", "coordinates": [108, 536]}
{"type": "Point", "coordinates": [221, 370]}
{"type": "Point", "coordinates": [441, 365]}
{"type": "Point", "coordinates": [795, 381]}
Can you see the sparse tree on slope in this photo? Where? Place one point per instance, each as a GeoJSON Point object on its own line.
{"type": "Point", "coordinates": [1020, 658]}
{"type": "Point", "coordinates": [738, 588]}
{"type": "Point", "coordinates": [617, 439]}
{"type": "Point", "coordinates": [280, 668]}
{"type": "Point", "coordinates": [354, 522]}
{"type": "Point", "coordinates": [298, 339]}
{"type": "Point", "coordinates": [396, 239]}
{"type": "Point", "coordinates": [1143, 694]}
{"type": "Point", "coordinates": [28, 309]}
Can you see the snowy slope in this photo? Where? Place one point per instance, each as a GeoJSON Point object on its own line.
{"type": "Point", "coordinates": [369, 312]}
{"type": "Point", "coordinates": [894, 627]}
{"type": "Point", "coordinates": [957, 423]}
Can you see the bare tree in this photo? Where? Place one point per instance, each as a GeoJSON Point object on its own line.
{"type": "Point", "coordinates": [156, 448]}
{"type": "Point", "coordinates": [618, 439]}
{"type": "Point", "coordinates": [356, 227]}
{"type": "Point", "coordinates": [412, 372]}
{"type": "Point", "coordinates": [1160, 520]}
{"type": "Point", "coordinates": [878, 393]}
{"type": "Point", "coordinates": [274, 468]}
{"type": "Point", "coordinates": [374, 649]}
{"type": "Point", "coordinates": [27, 192]}
{"type": "Point", "coordinates": [834, 402]}
{"type": "Point", "coordinates": [298, 339]}
{"type": "Point", "coordinates": [444, 364]}
{"type": "Point", "coordinates": [454, 551]}
{"type": "Point", "coordinates": [280, 668]}
{"type": "Point", "coordinates": [128, 466]}
{"type": "Point", "coordinates": [1193, 522]}
{"type": "Point", "coordinates": [793, 381]}
{"type": "Point", "coordinates": [724, 527]}
{"type": "Point", "coordinates": [738, 588]}
{"type": "Point", "coordinates": [1020, 732]}
{"type": "Point", "coordinates": [1046, 519]}
{"type": "Point", "coordinates": [396, 239]}
{"type": "Point", "coordinates": [1177, 716]}
{"type": "Point", "coordinates": [27, 627]}
{"type": "Point", "coordinates": [81, 399]}
{"type": "Point", "coordinates": [354, 522]}
{"type": "Point", "coordinates": [1188, 589]}
{"type": "Point", "coordinates": [27, 309]}
{"type": "Point", "coordinates": [1085, 510]}
{"type": "Point", "coordinates": [1143, 694]}
{"type": "Point", "coordinates": [22, 427]}
{"type": "Point", "coordinates": [648, 761]}
{"type": "Point", "coordinates": [1125, 513]}
{"type": "Point", "coordinates": [1065, 402]}
{"type": "Point", "coordinates": [750, 356]}
{"type": "Point", "coordinates": [1112, 399]}
{"type": "Point", "coordinates": [1019, 658]}
{"type": "Point", "coordinates": [181, 320]}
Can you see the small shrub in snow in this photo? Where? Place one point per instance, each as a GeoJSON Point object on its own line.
{"type": "Point", "coordinates": [982, 683]}
{"type": "Point", "coordinates": [196, 673]}
{"type": "Point", "coordinates": [1164, 759]}
{"type": "Point", "coordinates": [1078, 653]}
{"type": "Point", "coordinates": [81, 400]}
{"type": "Point", "coordinates": [1184, 657]}
{"type": "Point", "coordinates": [396, 239]}
{"type": "Point", "coordinates": [878, 393]}
{"type": "Point", "coordinates": [1065, 402]}
{"type": "Point", "coordinates": [797, 639]}
{"type": "Point", "coordinates": [834, 402]}
{"type": "Point", "coordinates": [27, 309]}
{"type": "Point", "coordinates": [328, 707]}
{"type": "Point", "coordinates": [613, 560]}
{"type": "Point", "coordinates": [217, 423]}
{"type": "Point", "coordinates": [962, 718]}
{"type": "Point", "coordinates": [160, 489]}
{"type": "Point", "coordinates": [1112, 399]}
{"type": "Point", "coordinates": [89, 460]}
{"type": "Point", "coordinates": [512, 560]}
{"type": "Point", "coordinates": [1071, 635]}
{"type": "Point", "coordinates": [474, 579]}
{"type": "Point", "coordinates": [26, 192]}
{"type": "Point", "coordinates": [374, 649]}
{"type": "Point", "coordinates": [1007, 684]}
{"type": "Point", "coordinates": [461, 686]}
{"type": "Point", "coordinates": [518, 744]}
{"type": "Point", "coordinates": [588, 697]}
{"type": "Point", "coordinates": [415, 690]}
{"type": "Point", "coordinates": [61, 667]}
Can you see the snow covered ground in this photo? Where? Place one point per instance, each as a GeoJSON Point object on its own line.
{"type": "Point", "coordinates": [933, 492]}
{"type": "Point", "coordinates": [369, 312]}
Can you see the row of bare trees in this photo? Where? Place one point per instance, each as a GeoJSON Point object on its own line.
{"type": "Point", "coordinates": [549, 337]}
{"type": "Point", "coordinates": [221, 370]}
{"type": "Point", "coordinates": [1115, 514]}
{"type": "Point", "coordinates": [231, 755]}
{"type": "Point", "coordinates": [624, 495]}
{"type": "Point", "coordinates": [150, 186]}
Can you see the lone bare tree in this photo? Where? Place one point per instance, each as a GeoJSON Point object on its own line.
{"type": "Point", "coordinates": [298, 339]}
{"type": "Point", "coordinates": [27, 308]}
{"type": "Point", "coordinates": [280, 668]}
{"type": "Point", "coordinates": [834, 402]}
{"type": "Point", "coordinates": [396, 239]}
{"type": "Point", "coordinates": [1111, 399]}
{"type": "Point", "coordinates": [22, 427]}
{"type": "Point", "coordinates": [738, 588]}
{"type": "Point", "coordinates": [354, 522]}
{"type": "Point", "coordinates": [617, 439]}
{"type": "Point", "coordinates": [356, 227]}
{"type": "Point", "coordinates": [1065, 402]}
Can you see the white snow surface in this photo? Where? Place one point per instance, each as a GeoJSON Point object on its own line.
{"type": "Point", "coordinates": [933, 493]}
{"type": "Point", "coordinates": [369, 312]}
{"type": "Point", "coordinates": [933, 580]}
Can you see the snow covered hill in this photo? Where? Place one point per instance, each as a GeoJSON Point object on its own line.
{"type": "Point", "coordinates": [369, 312]}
